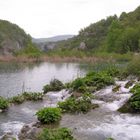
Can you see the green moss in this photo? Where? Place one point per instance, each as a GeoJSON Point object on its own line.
{"type": "Point", "coordinates": [116, 88]}
{"type": "Point", "coordinates": [133, 104]}
{"type": "Point", "coordinates": [129, 83]}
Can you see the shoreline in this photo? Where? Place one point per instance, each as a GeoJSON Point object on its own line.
{"type": "Point", "coordinates": [26, 59]}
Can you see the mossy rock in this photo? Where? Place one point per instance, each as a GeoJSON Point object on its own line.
{"type": "Point", "coordinates": [55, 85]}
{"type": "Point", "coordinates": [132, 105]}
{"type": "Point", "coordinates": [116, 88]}
{"type": "Point", "coordinates": [129, 83]}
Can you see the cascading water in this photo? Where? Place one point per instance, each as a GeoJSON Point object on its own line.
{"type": "Point", "coordinates": [99, 124]}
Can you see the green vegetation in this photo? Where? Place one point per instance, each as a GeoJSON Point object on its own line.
{"type": "Point", "coordinates": [133, 104]}
{"type": "Point", "coordinates": [111, 35]}
{"type": "Point", "coordinates": [26, 96]}
{"type": "Point", "coordinates": [30, 51]}
{"type": "Point", "coordinates": [12, 38]}
{"type": "Point", "coordinates": [49, 115]}
{"type": "Point", "coordinates": [77, 105]}
{"type": "Point", "coordinates": [55, 85]}
{"type": "Point", "coordinates": [133, 67]}
{"type": "Point", "coordinates": [3, 103]}
{"type": "Point", "coordinates": [56, 134]}
{"type": "Point", "coordinates": [116, 88]}
{"type": "Point", "coordinates": [17, 99]}
{"type": "Point", "coordinates": [92, 81]}
{"type": "Point", "coordinates": [109, 139]}
{"type": "Point", "coordinates": [129, 83]}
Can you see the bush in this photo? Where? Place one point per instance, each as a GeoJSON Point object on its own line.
{"type": "Point", "coordinates": [56, 134]}
{"type": "Point", "coordinates": [73, 105]}
{"type": "Point", "coordinates": [3, 103]}
{"type": "Point", "coordinates": [55, 85]}
{"type": "Point", "coordinates": [49, 115]}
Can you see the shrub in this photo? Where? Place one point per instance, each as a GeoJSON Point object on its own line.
{"type": "Point", "coordinates": [3, 103]}
{"type": "Point", "coordinates": [74, 105]}
{"type": "Point", "coordinates": [56, 134]}
{"type": "Point", "coordinates": [55, 85]}
{"type": "Point", "coordinates": [49, 115]}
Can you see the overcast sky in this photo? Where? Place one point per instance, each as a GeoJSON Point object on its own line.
{"type": "Point", "coordinates": [45, 18]}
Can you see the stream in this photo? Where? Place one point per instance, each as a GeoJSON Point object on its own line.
{"type": "Point", "coordinates": [98, 124]}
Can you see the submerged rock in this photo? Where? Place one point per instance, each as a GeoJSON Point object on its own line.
{"type": "Point", "coordinates": [8, 136]}
{"type": "Point", "coordinates": [29, 131]}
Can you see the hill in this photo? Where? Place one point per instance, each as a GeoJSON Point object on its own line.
{"type": "Point", "coordinates": [52, 39]}
{"type": "Point", "coordinates": [46, 44]}
{"type": "Point", "coordinates": [113, 34]}
{"type": "Point", "coordinates": [12, 38]}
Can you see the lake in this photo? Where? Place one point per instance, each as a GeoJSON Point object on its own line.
{"type": "Point", "coordinates": [16, 78]}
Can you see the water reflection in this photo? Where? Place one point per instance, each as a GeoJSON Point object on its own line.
{"type": "Point", "coordinates": [34, 76]}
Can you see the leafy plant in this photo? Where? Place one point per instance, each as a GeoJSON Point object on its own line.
{"type": "Point", "coordinates": [33, 96]}
{"type": "Point", "coordinates": [17, 99]}
{"type": "Point", "coordinates": [49, 115]}
{"type": "Point", "coordinates": [77, 105]}
{"type": "Point", "coordinates": [56, 134]}
{"type": "Point", "coordinates": [3, 103]}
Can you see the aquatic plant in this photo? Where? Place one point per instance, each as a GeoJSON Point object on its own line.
{"type": "Point", "coordinates": [17, 99]}
{"type": "Point", "coordinates": [129, 83]}
{"type": "Point", "coordinates": [26, 96]}
{"type": "Point", "coordinates": [92, 81]}
{"type": "Point", "coordinates": [49, 115]}
{"type": "Point", "coordinates": [33, 96]}
{"type": "Point", "coordinates": [77, 105]}
{"type": "Point", "coordinates": [116, 88]}
{"type": "Point", "coordinates": [56, 134]}
{"type": "Point", "coordinates": [55, 85]}
{"type": "Point", "coordinates": [133, 104]}
{"type": "Point", "coordinates": [3, 103]}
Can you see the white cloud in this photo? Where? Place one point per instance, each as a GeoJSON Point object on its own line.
{"type": "Point", "coordinates": [43, 18]}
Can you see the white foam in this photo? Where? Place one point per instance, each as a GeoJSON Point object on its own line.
{"type": "Point", "coordinates": [13, 127]}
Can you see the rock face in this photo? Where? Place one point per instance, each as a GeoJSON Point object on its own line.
{"type": "Point", "coordinates": [82, 46]}
{"type": "Point", "coordinates": [12, 38]}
